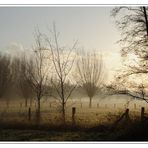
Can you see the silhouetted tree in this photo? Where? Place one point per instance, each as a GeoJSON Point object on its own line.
{"type": "Point", "coordinates": [138, 91]}
{"type": "Point", "coordinates": [133, 24]}
{"type": "Point", "coordinates": [22, 82]}
{"type": "Point", "coordinates": [36, 71]}
{"type": "Point", "coordinates": [90, 74]}
{"type": "Point", "coordinates": [63, 60]}
{"type": "Point", "coordinates": [5, 74]}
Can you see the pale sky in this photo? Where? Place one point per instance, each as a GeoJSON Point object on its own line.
{"type": "Point", "coordinates": [93, 27]}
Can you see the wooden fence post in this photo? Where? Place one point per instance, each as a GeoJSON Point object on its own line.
{"type": "Point", "coordinates": [142, 113]}
{"type": "Point", "coordinates": [29, 114]}
{"type": "Point", "coordinates": [135, 106]}
{"type": "Point", "coordinates": [35, 104]}
{"type": "Point", "coordinates": [127, 113]}
{"type": "Point", "coordinates": [73, 115]}
{"type": "Point", "coordinates": [7, 103]}
{"type": "Point", "coordinates": [97, 105]}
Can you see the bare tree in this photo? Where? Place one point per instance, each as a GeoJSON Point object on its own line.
{"type": "Point", "coordinates": [133, 24]}
{"type": "Point", "coordinates": [26, 91]}
{"type": "Point", "coordinates": [36, 71]}
{"type": "Point", "coordinates": [90, 74]}
{"type": "Point", "coordinates": [20, 85]}
{"type": "Point", "coordinates": [63, 60]}
{"type": "Point", "coordinates": [23, 85]}
{"type": "Point", "coordinates": [142, 92]}
{"type": "Point", "coordinates": [130, 89]}
{"type": "Point", "coordinates": [5, 74]}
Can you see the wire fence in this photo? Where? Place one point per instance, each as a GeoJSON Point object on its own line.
{"type": "Point", "coordinates": [51, 112]}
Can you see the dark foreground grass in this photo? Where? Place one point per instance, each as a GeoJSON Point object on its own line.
{"type": "Point", "coordinates": [38, 135]}
{"type": "Point", "coordinates": [42, 132]}
{"type": "Point", "coordinates": [125, 131]}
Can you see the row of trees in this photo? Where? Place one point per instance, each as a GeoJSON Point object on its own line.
{"type": "Point", "coordinates": [52, 70]}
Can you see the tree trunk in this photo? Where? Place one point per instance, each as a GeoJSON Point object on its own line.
{"type": "Point", "coordinates": [39, 106]}
{"type": "Point", "coordinates": [146, 20]}
{"type": "Point", "coordinates": [63, 101]}
{"type": "Point", "coordinates": [63, 112]}
{"type": "Point", "coordinates": [26, 102]}
{"type": "Point", "coordinates": [38, 111]}
{"type": "Point", "coordinates": [90, 102]}
{"type": "Point", "coordinates": [30, 102]}
{"type": "Point", "coordinates": [7, 103]}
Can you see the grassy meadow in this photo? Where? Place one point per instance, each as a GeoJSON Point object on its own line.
{"type": "Point", "coordinates": [97, 120]}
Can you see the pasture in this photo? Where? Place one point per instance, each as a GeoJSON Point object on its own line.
{"type": "Point", "coordinates": [101, 112]}
{"type": "Point", "coordinates": [15, 124]}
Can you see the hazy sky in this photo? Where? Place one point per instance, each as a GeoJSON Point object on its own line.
{"type": "Point", "coordinates": [93, 27]}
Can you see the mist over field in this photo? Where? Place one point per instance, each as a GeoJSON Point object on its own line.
{"type": "Point", "coordinates": [73, 73]}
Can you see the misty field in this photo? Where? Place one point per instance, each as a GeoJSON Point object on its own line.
{"type": "Point", "coordinates": [15, 125]}
{"type": "Point", "coordinates": [59, 88]}
{"type": "Point", "coordinates": [100, 112]}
